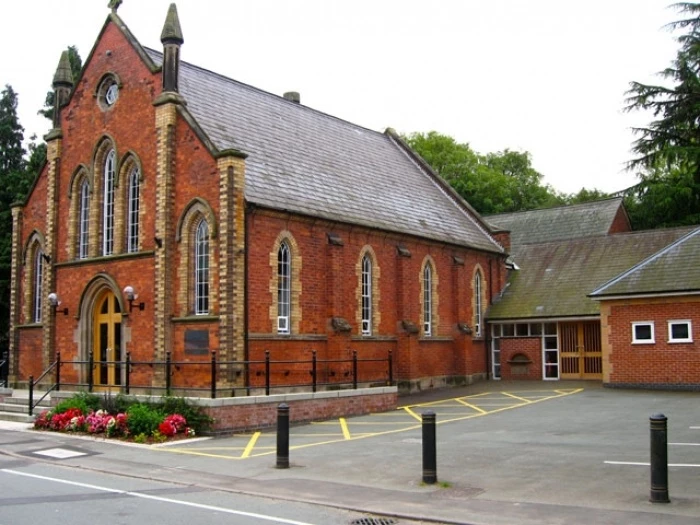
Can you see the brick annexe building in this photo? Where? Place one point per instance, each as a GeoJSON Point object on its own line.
{"type": "Point", "coordinates": [181, 211]}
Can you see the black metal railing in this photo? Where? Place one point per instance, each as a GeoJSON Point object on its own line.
{"type": "Point", "coordinates": [263, 375]}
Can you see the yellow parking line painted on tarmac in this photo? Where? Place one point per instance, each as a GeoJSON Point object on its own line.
{"type": "Point", "coordinates": [516, 397]}
{"type": "Point", "coordinates": [502, 409]}
{"type": "Point", "coordinates": [251, 444]}
{"type": "Point", "coordinates": [469, 405]}
{"type": "Point", "coordinates": [253, 449]}
{"type": "Point", "coordinates": [412, 413]}
{"type": "Point", "coordinates": [344, 427]}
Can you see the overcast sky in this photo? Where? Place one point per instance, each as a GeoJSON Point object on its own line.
{"type": "Point", "coordinates": [544, 76]}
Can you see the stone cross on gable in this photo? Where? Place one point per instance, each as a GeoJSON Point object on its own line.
{"type": "Point", "coordinates": [114, 5]}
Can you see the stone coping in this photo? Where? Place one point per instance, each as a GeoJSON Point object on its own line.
{"type": "Point", "coordinates": [258, 400]}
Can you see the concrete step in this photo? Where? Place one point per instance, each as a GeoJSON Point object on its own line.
{"type": "Point", "coordinates": [16, 417]}
{"type": "Point", "coordinates": [24, 401]}
{"type": "Point", "coordinates": [17, 408]}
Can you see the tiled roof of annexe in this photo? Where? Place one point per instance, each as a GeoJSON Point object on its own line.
{"type": "Point", "coordinates": [555, 224]}
{"type": "Point", "coordinates": [304, 161]}
{"type": "Point", "coordinates": [554, 279]}
{"type": "Point", "coordinates": [675, 269]}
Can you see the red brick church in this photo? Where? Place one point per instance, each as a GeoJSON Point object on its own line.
{"type": "Point", "coordinates": [182, 211]}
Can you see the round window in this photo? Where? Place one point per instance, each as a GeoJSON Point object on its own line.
{"type": "Point", "coordinates": [108, 92]}
{"type": "Point", "coordinates": [111, 94]}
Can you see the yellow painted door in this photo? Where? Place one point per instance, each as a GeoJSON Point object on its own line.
{"type": "Point", "coordinates": [107, 342]}
{"type": "Point", "coordinates": [580, 353]}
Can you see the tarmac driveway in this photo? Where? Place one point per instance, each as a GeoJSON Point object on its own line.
{"type": "Point", "coordinates": [507, 453]}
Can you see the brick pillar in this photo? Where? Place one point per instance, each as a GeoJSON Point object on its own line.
{"type": "Point", "coordinates": [232, 260]}
{"type": "Point", "coordinates": [460, 298]}
{"type": "Point", "coordinates": [54, 143]}
{"type": "Point", "coordinates": [408, 318]}
{"type": "Point", "coordinates": [339, 337]}
{"type": "Point", "coordinates": [166, 119]}
{"type": "Point", "coordinates": [15, 273]}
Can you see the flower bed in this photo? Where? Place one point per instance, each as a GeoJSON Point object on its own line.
{"type": "Point", "coordinates": [139, 422]}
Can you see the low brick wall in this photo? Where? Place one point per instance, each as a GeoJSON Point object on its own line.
{"type": "Point", "coordinates": [236, 414]}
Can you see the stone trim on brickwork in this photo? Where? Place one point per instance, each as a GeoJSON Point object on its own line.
{"type": "Point", "coordinates": [435, 317]}
{"type": "Point", "coordinates": [84, 335]}
{"type": "Point", "coordinates": [15, 272]}
{"type": "Point", "coordinates": [295, 261]}
{"type": "Point", "coordinates": [165, 121]}
{"type": "Point", "coordinates": [80, 176]}
{"type": "Point", "coordinates": [484, 301]}
{"type": "Point", "coordinates": [376, 272]}
{"type": "Point", "coordinates": [95, 235]}
{"type": "Point", "coordinates": [34, 244]}
{"type": "Point", "coordinates": [128, 163]}
{"type": "Point", "coordinates": [232, 261]}
{"type": "Point", "coordinates": [196, 210]}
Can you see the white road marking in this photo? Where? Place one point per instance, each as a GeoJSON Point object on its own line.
{"type": "Point", "coordinates": [158, 498]}
{"type": "Point", "coordinates": [641, 464]}
{"type": "Point", "coordinates": [60, 453]}
{"type": "Point", "coordinates": [685, 444]}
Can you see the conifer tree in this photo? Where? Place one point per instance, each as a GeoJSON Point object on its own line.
{"type": "Point", "coordinates": [13, 185]}
{"type": "Point", "coordinates": [668, 149]}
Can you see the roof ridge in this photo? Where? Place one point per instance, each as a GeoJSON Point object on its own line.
{"type": "Point", "coordinates": [559, 207]}
{"type": "Point", "coordinates": [646, 261]}
{"type": "Point", "coordinates": [264, 92]}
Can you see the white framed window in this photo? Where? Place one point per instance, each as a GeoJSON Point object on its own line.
{"type": "Point", "coordinates": [132, 223]}
{"type": "Point", "coordinates": [680, 331]}
{"type": "Point", "coordinates": [284, 288]}
{"type": "Point", "coordinates": [478, 319]}
{"type": "Point", "coordinates": [38, 285]}
{"type": "Point", "coordinates": [643, 332]}
{"type": "Point", "coordinates": [108, 204]}
{"type": "Point", "coordinates": [201, 270]}
{"type": "Point", "coordinates": [428, 300]}
{"type": "Point", "coordinates": [84, 220]}
{"type": "Point", "coordinates": [366, 295]}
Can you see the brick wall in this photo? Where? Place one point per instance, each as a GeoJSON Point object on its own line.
{"type": "Point", "coordinates": [675, 365]}
{"type": "Point", "coordinates": [531, 347]}
{"type": "Point", "coordinates": [179, 175]}
{"type": "Point", "coordinates": [259, 412]}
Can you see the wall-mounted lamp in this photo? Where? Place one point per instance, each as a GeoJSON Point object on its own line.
{"type": "Point", "coordinates": [55, 302]}
{"type": "Point", "coordinates": [131, 296]}
{"type": "Point", "coordinates": [158, 241]}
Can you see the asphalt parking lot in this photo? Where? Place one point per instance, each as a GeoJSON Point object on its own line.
{"type": "Point", "coordinates": [527, 448]}
{"type": "Point", "coordinates": [507, 453]}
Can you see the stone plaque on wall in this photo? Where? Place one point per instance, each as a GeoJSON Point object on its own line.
{"type": "Point", "coordinates": [196, 342]}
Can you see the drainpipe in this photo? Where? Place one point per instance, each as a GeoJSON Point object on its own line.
{"type": "Point", "coordinates": [487, 331]}
{"type": "Point", "coordinates": [246, 354]}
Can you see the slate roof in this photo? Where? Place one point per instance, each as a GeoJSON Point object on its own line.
{"type": "Point", "coordinates": [304, 161]}
{"type": "Point", "coordinates": [555, 278]}
{"type": "Point", "coordinates": [555, 224]}
{"type": "Point", "coordinates": [675, 269]}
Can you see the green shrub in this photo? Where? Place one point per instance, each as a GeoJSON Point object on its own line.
{"type": "Point", "coordinates": [115, 404]}
{"type": "Point", "coordinates": [82, 400]}
{"type": "Point", "coordinates": [196, 418]}
{"type": "Point", "coordinates": [143, 419]}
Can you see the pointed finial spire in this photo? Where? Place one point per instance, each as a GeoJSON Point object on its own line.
{"type": "Point", "coordinates": [62, 86]}
{"type": "Point", "coordinates": [172, 34]}
{"type": "Point", "coordinates": [63, 75]}
{"type": "Point", "coordinates": [114, 5]}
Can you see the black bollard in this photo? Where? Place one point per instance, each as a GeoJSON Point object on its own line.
{"type": "Point", "coordinates": [283, 436]}
{"type": "Point", "coordinates": [429, 448]}
{"type": "Point", "coordinates": [659, 459]}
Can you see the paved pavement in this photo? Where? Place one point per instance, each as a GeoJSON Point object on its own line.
{"type": "Point", "coordinates": [508, 453]}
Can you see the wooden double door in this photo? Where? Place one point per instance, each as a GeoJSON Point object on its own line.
{"type": "Point", "coordinates": [580, 350]}
{"type": "Point", "coordinates": [107, 342]}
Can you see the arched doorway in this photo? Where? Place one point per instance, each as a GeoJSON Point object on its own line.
{"type": "Point", "coordinates": [107, 341]}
